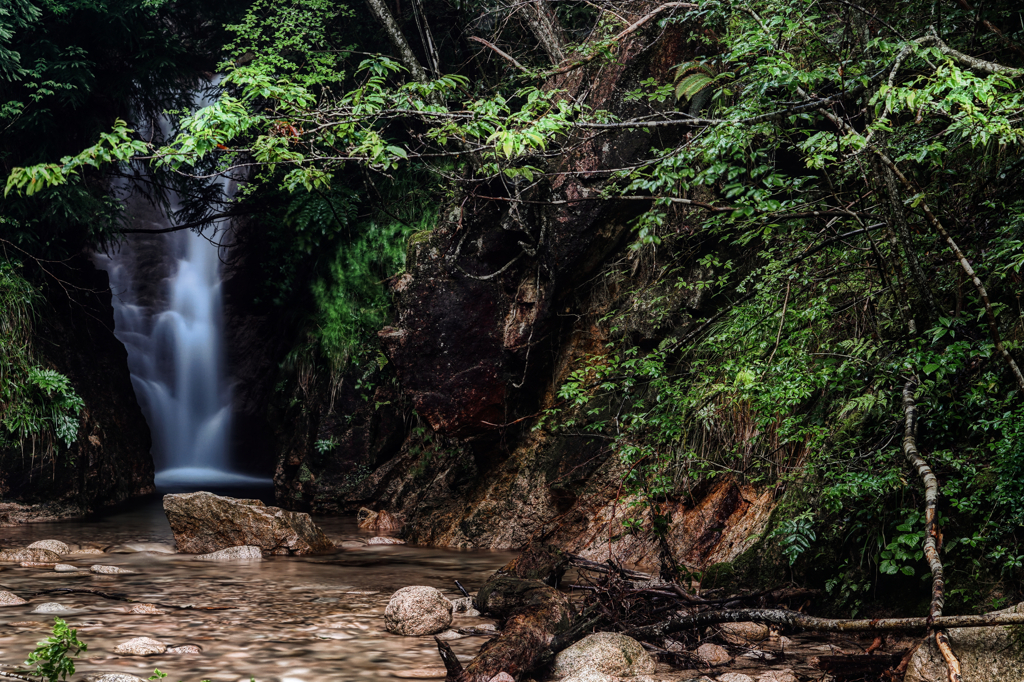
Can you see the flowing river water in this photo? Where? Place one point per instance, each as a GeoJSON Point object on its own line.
{"type": "Point", "coordinates": [286, 619]}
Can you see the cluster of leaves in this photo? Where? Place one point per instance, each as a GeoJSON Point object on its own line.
{"type": "Point", "coordinates": [797, 379]}
{"type": "Point", "coordinates": [39, 408]}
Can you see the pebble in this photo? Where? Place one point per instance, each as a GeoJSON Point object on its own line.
{"type": "Point", "coordinates": [151, 609]}
{"type": "Point", "coordinates": [89, 550]}
{"type": "Point", "coordinates": [55, 546]}
{"type": "Point", "coordinates": [50, 607]}
{"type": "Point", "coordinates": [100, 568]}
{"type": "Point", "coordinates": [734, 677]}
{"type": "Point", "coordinates": [140, 646]}
{"type": "Point", "coordinates": [382, 540]}
{"type": "Point", "coordinates": [116, 677]}
{"type": "Point", "coordinates": [503, 677]}
{"type": "Point", "coordinates": [66, 568]}
{"type": "Point", "coordinates": [10, 599]}
{"type": "Point", "coordinates": [184, 649]}
{"type": "Point", "coordinates": [421, 673]}
{"type": "Point", "coordinates": [713, 655]}
{"type": "Point", "coordinates": [743, 632]}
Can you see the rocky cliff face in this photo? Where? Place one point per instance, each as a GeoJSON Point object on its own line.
{"type": "Point", "coordinates": [495, 308]}
{"type": "Point", "coordinates": [110, 461]}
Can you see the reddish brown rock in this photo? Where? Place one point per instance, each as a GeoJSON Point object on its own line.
{"type": "Point", "coordinates": [203, 523]}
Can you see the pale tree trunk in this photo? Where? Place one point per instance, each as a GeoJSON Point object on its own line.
{"type": "Point", "coordinates": [545, 27]}
{"type": "Point", "coordinates": [398, 41]}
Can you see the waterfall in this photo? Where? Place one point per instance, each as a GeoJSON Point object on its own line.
{"type": "Point", "coordinates": [168, 313]}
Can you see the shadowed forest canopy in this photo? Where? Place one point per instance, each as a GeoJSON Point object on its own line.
{"type": "Point", "coordinates": [823, 206]}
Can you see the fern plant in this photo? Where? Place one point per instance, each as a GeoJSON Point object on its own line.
{"type": "Point", "coordinates": [695, 82]}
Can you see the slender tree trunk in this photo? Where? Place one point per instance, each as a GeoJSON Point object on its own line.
{"type": "Point", "coordinates": [545, 27]}
{"type": "Point", "coordinates": [398, 41]}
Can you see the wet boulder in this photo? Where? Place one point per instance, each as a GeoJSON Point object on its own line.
{"type": "Point", "coordinates": [713, 655]}
{"type": "Point", "coordinates": [610, 653]}
{"type": "Point", "coordinates": [203, 523]}
{"type": "Point", "coordinates": [418, 610]}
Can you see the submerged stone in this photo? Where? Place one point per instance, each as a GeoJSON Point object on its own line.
{"type": "Point", "coordinates": [109, 570]}
{"type": "Point", "coordinates": [243, 553]}
{"type": "Point", "coordinates": [203, 522]}
{"type": "Point", "coordinates": [140, 646]}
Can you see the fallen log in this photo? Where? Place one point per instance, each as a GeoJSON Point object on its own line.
{"type": "Point", "coordinates": [801, 621]}
{"type": "Point", "coordinates": [522, 594]}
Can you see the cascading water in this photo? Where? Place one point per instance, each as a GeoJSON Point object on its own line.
{"type": "Point", "coordinates": [168, 313]}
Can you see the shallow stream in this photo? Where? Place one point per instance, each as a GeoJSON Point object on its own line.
{"type": "Point", "coordinates": [286, 619]}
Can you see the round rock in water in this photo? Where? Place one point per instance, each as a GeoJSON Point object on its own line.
{"type": "Point", "coordinates": [50, 607]}
{"type": "Point", "coordinates": [109, 570]}
{"type": "Point", "coordinates": [19, 555]}
{"type": "Point", "coordinates": [140, 646]}
{"type": "Point", "coordinates": [66, 568]}
{"type": "Point", "coordinates": [713, 655]}
{"type": "Point", "coordinates": [606, 652]}
{"type": "Point", "coordinates": [384, 540]}
{"type": "Point", "coordinates": [116, 677]}
{"type": "Point", "coordinates": [242, 553]}
{"type": "Point", "coordinates": [418, 610]}
{"type": "Point", "coordinates": [55, 546]}
{"type": "Point", "coordinates": [10, 599]}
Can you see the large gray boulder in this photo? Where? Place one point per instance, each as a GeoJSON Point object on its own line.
{"type": "Point", "coordinates": [203, 523]}
{"type": "Point", "coordinates": [994, 654]}
{"type": "Point", "coordinates": [418, 610]}
{"type": "Point", "coordinates": [610, 653]}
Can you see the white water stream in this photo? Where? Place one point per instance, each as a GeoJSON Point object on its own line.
{"type": "Point", "coordinates": [168, 312]}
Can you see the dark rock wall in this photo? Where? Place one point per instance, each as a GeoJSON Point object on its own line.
{"type": "Point", "coordinates": [110, 461]}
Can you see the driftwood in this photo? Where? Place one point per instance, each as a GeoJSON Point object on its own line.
{"type": "Point", "coordinates": [524, 596]}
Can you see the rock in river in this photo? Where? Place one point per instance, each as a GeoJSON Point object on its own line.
{"type": "Point", "coordinates": [19, 555]}
{"type": "Point", "coordinates": [10, 599]}
{"type": "Point", "coordinates": [243, 553]}
{"type": "Point", "coordinates": [109, 570]}
{"type": "Point", "coordinates": [203, 522]}
{"type": "Point", "coordinates": [140, 646]}
{"type": "Point", "coordinates": [606, 652]}
{"type": "Point", "coordinates": [418, 610]}
{"type": "Point", "coordinates": [55, 546]}
{"type": "Point", "coordinates": [50, 607]}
